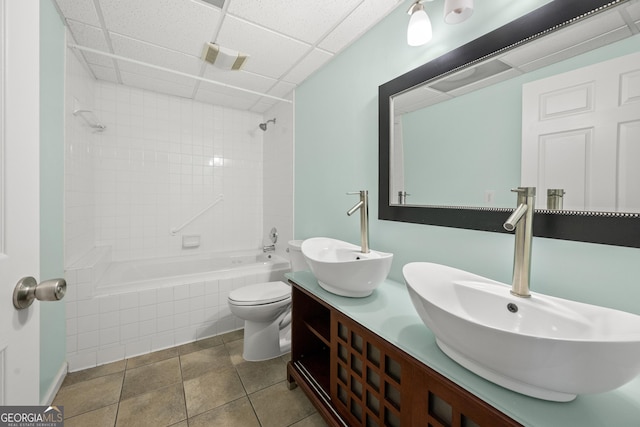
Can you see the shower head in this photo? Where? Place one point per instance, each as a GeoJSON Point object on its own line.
{"type": "Point", "coordinates": [263, 126]}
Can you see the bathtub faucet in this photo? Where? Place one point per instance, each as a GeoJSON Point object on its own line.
{"type": "Point", "coordinates": [270, 248]}
{"type": "Point", "coordinates": [363, 205]}
{"type": "Point", "coordinates": [521, 220]}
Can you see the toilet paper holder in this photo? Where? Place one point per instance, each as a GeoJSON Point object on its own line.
{"type": "Point", "coordinates": [27, 289]}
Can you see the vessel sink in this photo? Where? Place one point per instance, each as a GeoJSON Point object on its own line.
{"type": "Point", "coordinates": [341, 268]}
{"type": "Point", "coordinates": [545, 347]}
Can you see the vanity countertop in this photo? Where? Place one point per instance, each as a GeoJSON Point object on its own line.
{"type": "Point", "coordinates": [389, 313]}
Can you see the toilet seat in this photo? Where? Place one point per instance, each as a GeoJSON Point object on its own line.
{"type": "Point", "coordinates": [260, 294]}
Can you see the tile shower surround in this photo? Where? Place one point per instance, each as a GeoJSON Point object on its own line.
{"type": "Point", "coordinates": [160, 160]}
{"type": "Point", "coordinates": [79, 204]}
{"type": "Point", "coordinates": [163, 161]}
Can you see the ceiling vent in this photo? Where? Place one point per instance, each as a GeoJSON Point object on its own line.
{"type": "Point", "coordinates": [223, 58]}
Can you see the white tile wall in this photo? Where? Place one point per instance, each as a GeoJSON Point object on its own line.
{"type": "Point", "coordinates": [278, 174]}
{"type": "Point", "coordinates": [162, 160]}
{"type": "Point", "coordinates": [79, 150]}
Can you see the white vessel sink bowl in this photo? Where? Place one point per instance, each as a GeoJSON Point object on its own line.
{"type": "Point", "coordinates": [551, 348]}
{"type": "Point", "coordinates": [341, 268]}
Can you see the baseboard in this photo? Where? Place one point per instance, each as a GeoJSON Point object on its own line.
{"type": "Point", "coordinates": [47, 399]}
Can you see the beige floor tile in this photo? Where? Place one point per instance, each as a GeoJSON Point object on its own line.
{"type": "Point", "coordinates": [277, 406]}
{"type": "Point", "coordinates": [103, 417]}
{"type": "Point", "coordinates": [314, 420]}
{"type": "Point", "coordinates": [214, 392]}
{"type": "Point", "coordinates": [237, 413]}
{"type": "Point", "coordinates": [98, 371]}
{"type": "Point", "coordinates": [156, 356]}
{"type": "Point", "coordinates": [258, 375]}
{"type": "Point", "coordinates": [200, 345]}
{"type": "Point", "coordinates": [211, 390]}
{"type": "Point", "coordinates": [233, 335]}
{"type": "Point", "coordinates": [151, 377]}
{"type": "Point", "coordinates": [199, 362]}
{"type": "Point", "coordinates": [162, 407]}
{"type": "Point", "coordinates": [89, 395]}
{"type": "Point", "coordinates": [235, 351]}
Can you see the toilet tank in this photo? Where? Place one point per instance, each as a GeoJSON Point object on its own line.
{"type": "Point", "coordinates": [298, 263]}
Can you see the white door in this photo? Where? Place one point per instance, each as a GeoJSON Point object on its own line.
{"type": "Point", "coordinates": [581, 133]}
{"type": "Point", "coordinates": [19, 198]}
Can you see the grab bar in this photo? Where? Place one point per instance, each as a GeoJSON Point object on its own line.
{"type": "Point", "coordinates": [196, 216]}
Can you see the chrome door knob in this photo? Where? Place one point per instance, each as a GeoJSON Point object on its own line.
{"type": "Point", "coordinates": [28, 290]}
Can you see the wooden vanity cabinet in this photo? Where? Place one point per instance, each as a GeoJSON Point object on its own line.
{"type": "Point", "coordinates": [356, 378]}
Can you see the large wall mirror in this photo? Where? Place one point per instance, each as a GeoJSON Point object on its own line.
{"type": "Point", "coordinates": [550, 100]}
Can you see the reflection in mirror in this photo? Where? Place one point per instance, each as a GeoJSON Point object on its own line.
{"type": "Point", "coordinates": [467, 138]}
{"type": "Point", "coordinates": [452, 135]}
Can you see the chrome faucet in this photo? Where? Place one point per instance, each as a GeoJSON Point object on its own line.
{"type": "Point", "coordinates": [363, 205]}
{"type": "Point", "coordinates": [521, 220]}
{"type": "Point", "coordinates": [269, 248]}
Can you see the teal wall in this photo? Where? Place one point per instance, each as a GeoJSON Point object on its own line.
{"type": "Point", "coordinates": [480, 147]}
{"type": "Point", "coordinates": [52, 314]}
{"type": "Point", "coordinates": [336, 145]}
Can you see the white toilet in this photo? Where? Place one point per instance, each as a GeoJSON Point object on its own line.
{"type": "Point", "coordinates": [266, 310]}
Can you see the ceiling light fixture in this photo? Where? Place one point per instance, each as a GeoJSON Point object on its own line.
{"type": "Point", "coordinates": [456, 11]}
{"type": "Point", "coordinates": [419, 31]}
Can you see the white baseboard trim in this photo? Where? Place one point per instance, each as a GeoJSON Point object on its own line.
{"type": "Point", "coordinates": [47, 399]}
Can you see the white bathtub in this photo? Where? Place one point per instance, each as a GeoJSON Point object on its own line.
{"type": "Point", "coordinates": [117, 310]}
{"type": "Point", "coordinates": [139, 275]}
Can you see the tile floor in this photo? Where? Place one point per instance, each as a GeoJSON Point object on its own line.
{"type": "Point", "coordinates": [204, 383]}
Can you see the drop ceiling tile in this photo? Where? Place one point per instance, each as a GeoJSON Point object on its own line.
{"type": "Point", "coordinates": [310, 63]}
{"type": "Point", "coordinates": [577, 49]}
{"type": "Point", "coordinates": [156, 55]}
{"type": "Point", "coordinates": [278, 35]}
{"type": "Point", "coordinates": [152, 73]}
{"type": "Point", "coordinates": [634, 11]}
{"type": "Point", "coordinates": [563, 39]}
{"type": "Point", "coordinates": [240, 78]}
{"type": "Point", "coordinates": [79, 10]}
{"type": "Point", "coordinates": [263, 105]}
{"type": "Point", "coordinates": [361, 20]}
{"type": "Point", "coordinates": [92, 37]}
{"type": "Point", "coordinates": [270, 54]}
{"type": "Point", "coordinates": [225, 97]}
{"type": "Point", "coordinates": [282, 90]}
{"type": "Point", "coordinates": [183, 25]}
{"type": "Point", "coordinates": [417, 99]}
{"type": "Point", "coordinates": [488, 81]}
{"type": "Point", "coordinates": [156, 85]}
{"type": "Point", "coordinates": [104, 73]}
{"type": "Point", "coordinates": [297, 19]}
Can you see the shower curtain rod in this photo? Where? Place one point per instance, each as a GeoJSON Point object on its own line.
{"type": "Point", "coordinates": [179, 73]}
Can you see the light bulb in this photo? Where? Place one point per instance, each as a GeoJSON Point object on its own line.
{"type": "Point", "coordinates": [419, 30]}
{"type": "Point", "coordinates": [456, 11]}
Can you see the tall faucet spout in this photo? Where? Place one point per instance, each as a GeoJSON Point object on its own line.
{"type": "Point", "coordinates": [355, 208]}
{"type": "Point", "coordinates": [521, 220]}
{"type": "Point", "coordinates": [363, 205]}
{"type": "Point", "coordinates": [511, 222]}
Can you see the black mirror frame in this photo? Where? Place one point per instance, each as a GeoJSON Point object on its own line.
{"type": "Point", "coordinates": [619, 229]}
